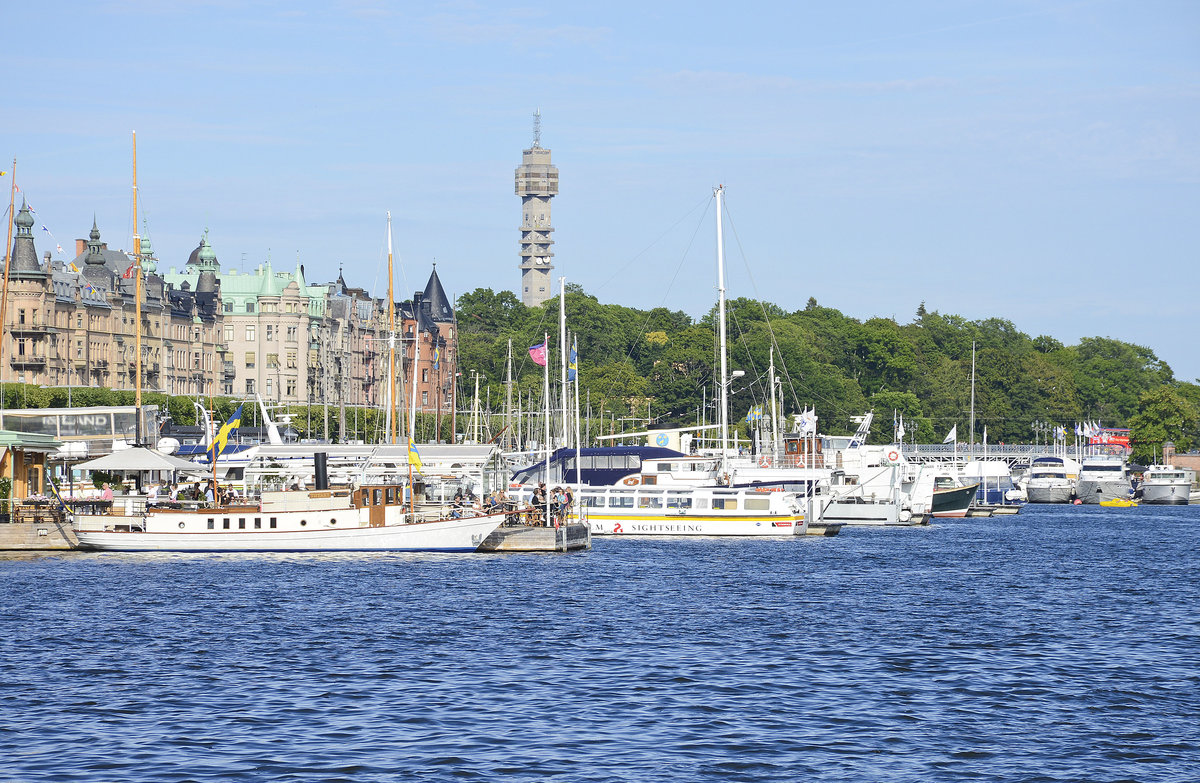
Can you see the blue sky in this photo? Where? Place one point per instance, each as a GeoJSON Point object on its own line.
{"type": "Point", "coordinates": [1035, 161]}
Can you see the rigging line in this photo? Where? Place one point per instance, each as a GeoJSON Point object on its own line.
{"type": "Point", "coordinates": [770, 329]}
{"type": "Point", "coordinates": [620, 270]}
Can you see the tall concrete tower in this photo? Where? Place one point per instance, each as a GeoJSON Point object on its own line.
{"type": "Point", "coordinates": [537, 183]}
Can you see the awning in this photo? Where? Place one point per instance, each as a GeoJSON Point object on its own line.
{"type": "Point", "coordinates": [139, 459]}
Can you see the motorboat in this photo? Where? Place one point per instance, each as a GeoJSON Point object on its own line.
{"type": "Point", "coordinates": [1049, 481]}
{"type": "Point", "coordinates": [1103, 477]}
{"type": "Point", "coordinates": [1166, 485]}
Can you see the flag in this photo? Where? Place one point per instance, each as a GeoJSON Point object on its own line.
{"type": "Point", "coordinates": [437, 356]}
{"type": "Point", "coordinates": [538, 354]}
{"type": "Point", "coordinates": [573, 362]}
{"type": "Point", "coordinates": [985, 434]}
{"type": "Point", "coordinates": [900, 429]}
{"type": "Point", "coordinates": [54, 492]}
{"type": "Point", "coordinates": [70, 264]}
{"type": "Point", "coordinates": [131, 271]}
{"type": "Point", "coordinates": [414, 458]}
{"type": "Point", "coordinates": [952, 436]}
{"type": "Point", "coordinates": [222, 439]}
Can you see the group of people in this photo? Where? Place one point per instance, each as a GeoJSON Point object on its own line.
{"type": "Point", "coordinates": [560, 500]}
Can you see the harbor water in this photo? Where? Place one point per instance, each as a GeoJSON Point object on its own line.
{"type": "Point", "coordinates": [1060, 644]}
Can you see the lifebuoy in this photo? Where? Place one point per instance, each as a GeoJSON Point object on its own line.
{"type": "Point", "coordinates": [632, 481]}
{"type": "Point", "coordinates": [893, 456]}
{"type": "Point", "coordinates": [764, 462]}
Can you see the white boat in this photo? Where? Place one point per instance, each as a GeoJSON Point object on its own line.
{"type": "Point", "coordinates": [687, 511]}
{"type": "Point", "coordinates": [1049, 481]}
{"type": "Point", "coordinates": [1166, 485]}
{"type": "Point", "coordinates": [363, 519]}
{"type": "Point", "coordinates": [1103, 477]}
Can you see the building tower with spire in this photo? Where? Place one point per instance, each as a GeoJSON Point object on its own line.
{"type": "Point", "coordinates": [537, 183]}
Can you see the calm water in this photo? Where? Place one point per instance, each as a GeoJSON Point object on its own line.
{"type": "Point", "coordinates": [1062, 644]}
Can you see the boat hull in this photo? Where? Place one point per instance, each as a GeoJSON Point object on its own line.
{"type": "Point", "coordinates": [1094, 491]}
{"type": "Point", "coordinates": [954, 502]}
{"type": "Point", "coordinates": [1166, 494]}
{"type": "Point", "coordinates": [1049, 493]}
{"type": "Point", "coordinates": [695, 525]}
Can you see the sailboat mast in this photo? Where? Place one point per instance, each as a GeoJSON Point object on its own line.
{"type": "Point", "coordinates": [719, 193]}
{"type": "Point", "coordinates": [562, 341]}
{"type": "Point", "coordinates": [508, 394]}
{"type": "Point", "coordinates": [972, 399]}
{"type": "Point", "coordinates": [137, 265]}
{"type": "Point", "coordinates": [774, 413]}
{"type": "Point", "coordinates": [392, 411]}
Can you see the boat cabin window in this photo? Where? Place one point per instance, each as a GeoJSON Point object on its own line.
{"type": "Point", "coordinates": [391, 495]}
{"type": "Point", "coordinates": [944, 482]}
{"type": "Point", "coordinates": [665, 467]}
{"type": "Point", "coordinates": [1109, 468]}
{"type": "Point", "coordinates": [593, 501]}
{"type": "Point", "coordinates": [377, 496]}
{"type": "Point", "coordinates": [727, 504]}
{"type": "Point", "coordinates": [649, 502]}
{"type": "Point", "coordinates": [757, 504]}
{"type": "Point", "coordinates": [272, 523]}
{"type": "Point", "coordinates": [212, 523]}
{"type": "Point", "coordinates": [225, 523]}
{"type": "Point", "coordinates": [620, 501]}
{"type": "Point", "coordinates": [649, 480]}
{"type": "Point", "coordinates": [241, 523]}
{"type": "Point", "coordinates": [701, 503]}
{"type": "Point", "coordinates": [676, 501]}
{"type": "Point", "coordinates": [258, 523]}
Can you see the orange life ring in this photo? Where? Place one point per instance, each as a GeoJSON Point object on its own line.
{"type": "Point", "coordinates": [764, 462]}
{"type": "Point", "coordinates": [632, 481]}
{"type": "Point", "coordinates": [893, 456]}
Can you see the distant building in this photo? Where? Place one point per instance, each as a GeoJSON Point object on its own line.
{"type": "Point", "coordinates": [536, 184]}
{"type": "Point", "coordinates": [208, 332]}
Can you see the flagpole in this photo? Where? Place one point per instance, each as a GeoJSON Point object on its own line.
{"type": "Point", "coordinates": [562, 339]}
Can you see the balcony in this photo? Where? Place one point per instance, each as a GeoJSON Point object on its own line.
{"type": "Point", "coordinates": [33, 329]}
{"type": "Point", "coordinates": [228, 370]}
{"type": "Point", "coordinates": [28, 362]}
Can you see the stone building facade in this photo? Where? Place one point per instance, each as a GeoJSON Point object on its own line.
{"type": "Point", "coordinates": [208, 332]}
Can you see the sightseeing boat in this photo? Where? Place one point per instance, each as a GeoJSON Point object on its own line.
{"type": "Point", "coordinates": [341, 519]}
{"type": "Point", "coordinates": [1166, 485]}
{"type": "Point", "coordinates": [1103, 477]}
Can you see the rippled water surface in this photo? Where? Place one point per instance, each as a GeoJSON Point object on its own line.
{"type": "Point", "coordinates": [1062, 644]}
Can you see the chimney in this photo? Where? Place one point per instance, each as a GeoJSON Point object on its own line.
{"type": "Point", "coordinates": [80, 246]}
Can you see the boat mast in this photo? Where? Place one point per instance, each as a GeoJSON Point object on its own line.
{"type": "Point", "coordinates": [393, 402]}
{"type": "Point", "coordinates": [719, 193]}
{"type": "Point", "coordinates": [774, 416]}
{"type": "Point", "coordinates": [508, 394]}
{"type": "Point", "coordinates": [12, 202]}
{"type": "Point", "coordinates": [137, 265]}
{"type": "Point", "coordinates": [972, 399]}
{"type": "Point", "coordinates": [562, 341]}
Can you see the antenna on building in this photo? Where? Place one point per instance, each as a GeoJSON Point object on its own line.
{"type": "Point", "coordinates": [537, 129]}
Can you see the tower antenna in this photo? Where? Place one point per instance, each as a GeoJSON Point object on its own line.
{"type": "Point", "coordinates": [537, 129]}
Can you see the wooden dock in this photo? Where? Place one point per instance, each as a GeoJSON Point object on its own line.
{"type": "Point", "coordinates": [526, 538]}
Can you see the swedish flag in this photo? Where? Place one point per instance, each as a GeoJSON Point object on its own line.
{"type": "Point", "coordinates": [573, 363]}
{"type": "Point", "coordinates": [414, 458]}
{"type": "Point", "coordinates": [54, 492]}
{"type": "Point", "coordinates": [222, 439]}
{"type": "Point", "coordinates": [437, 356]}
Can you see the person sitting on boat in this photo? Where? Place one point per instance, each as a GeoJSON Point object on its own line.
{"type": "Point", "coordinates": [209, 495]}
{"type": "Point", "coordinates": [152, 493]}
{"type": "Point", "coordinates": [106, 492]}
{"type": "Point", "coordinates": [174, 494]}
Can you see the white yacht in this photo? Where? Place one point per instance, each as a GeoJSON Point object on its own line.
{"type": "Point", "coordinates": [1049, 481]}
{"type": "Point", "coordinates": [1166, 485]}
{"type": "Point", "coordinates": [1103, 477]}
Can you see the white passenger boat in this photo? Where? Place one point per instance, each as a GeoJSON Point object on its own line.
{"type": "Point", "coordinates": [1049, 481]}
{"type": "Point", "coordinates": [1103, 477]}
{"type": "Point", "coordinates": [365, 518]}
{"type": "Point", "coordinates": [689, 511]}
{"type": "Point", "coordinates": [1166, 485]}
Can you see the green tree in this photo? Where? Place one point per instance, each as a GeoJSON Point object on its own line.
{"type": "Point", "coordinates": [1162, 416]}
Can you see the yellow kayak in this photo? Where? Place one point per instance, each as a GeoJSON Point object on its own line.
{"type": "Point", "coordinates": [1119, 503]}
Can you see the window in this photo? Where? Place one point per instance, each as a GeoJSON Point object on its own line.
{"type": "Point", "coordinates": [272, 360]}
{"type": "Point", "coordinates": [728, 504]}
{"type": "Point", "coordinates": [228, 307]}
{"type": "Point", "coordinates": [228, 332]}
{"type": "Point", "coordinates": [249, 386]}
{"type": "Point", "coordinates": [250, 333]}
{"type": "Point", "coordinates": [270, 332]}
{"type": "Point", "coordinates": [593, 501]}
{"type": "Point", "coordinates": [674, 501]}
{"type": "Point", "coordinates": [212, 523]}
{"type": "Point", "coordinates": [258, 523]}
{"type": "Point", "coordinates": [292, 333]}
{"type": "Point", "coordinates": [291, 359]}
{"type": "Point", "coordinates": [272, 523]}
{"type": "Point", "coordinates": [225, 523]}
{"type": "Point", "coordinates": [241, 523]}
{"type": "Point", "coordinates": [249, 359]}
{"type": "Point", "coordinates": [424, 398]}
{"type": "Point", "coordinates": [756, 504]}
{"type": "Point", "coordinates": [620, 501]}
{"type": "Point", "coordinates": [21, 316]}
{"type": "Point", "coordinates": [269, 387]}
{"type": "Point", "coordinates": [425, 375]}
{"type": "Point", "coordinates": [291, 388]}
{"type": "Point", "coordinates": [249, 307]}
{"type": "Point", "coordinates": [649, 502]}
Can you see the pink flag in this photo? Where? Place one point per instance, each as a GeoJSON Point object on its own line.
{"type": "Point", "coordinates": [538, 354]}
